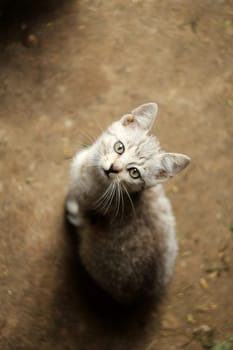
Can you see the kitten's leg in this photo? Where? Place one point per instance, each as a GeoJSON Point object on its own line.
{"type": "Point", "coordinates": [73, 212]}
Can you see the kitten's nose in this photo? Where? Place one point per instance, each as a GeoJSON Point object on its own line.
{"type": "Point", "coordinates": [112, 169]}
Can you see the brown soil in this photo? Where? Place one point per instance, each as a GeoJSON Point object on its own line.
{"type": "Point", "coordinates": [65, 71]}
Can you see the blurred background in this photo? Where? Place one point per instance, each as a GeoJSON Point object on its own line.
{"type": "Point", "coordinates": [67, 69]}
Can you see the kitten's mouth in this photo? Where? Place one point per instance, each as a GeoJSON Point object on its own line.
{"type": "Point", "coordinates": [105, 173]}
{"type": "Point", "coordinates": [108, 172]}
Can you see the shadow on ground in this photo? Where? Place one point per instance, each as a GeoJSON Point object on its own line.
{"type": "Point", "coordinates": [78, 293]}
{"type": "Point", "coordinates": [82, 313]}
{"type": "Point", "coordinates": [17, 18]}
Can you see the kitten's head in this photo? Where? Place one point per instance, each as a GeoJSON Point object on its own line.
{"type": "Point", "coordinates": [127, 154]}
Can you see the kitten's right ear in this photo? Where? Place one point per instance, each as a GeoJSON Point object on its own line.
{"type": "Point", "coordinates": [142, 117]}
{"type": "Point", "coordinates": [170, 164]}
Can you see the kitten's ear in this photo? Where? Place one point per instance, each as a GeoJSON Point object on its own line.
{"type": "Point", "coordinates": [142, 117]}
{"type": "Point", "coordinates": [170, 164]}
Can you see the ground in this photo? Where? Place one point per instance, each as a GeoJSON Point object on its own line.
{"type": "Point", "coordinates": [68, 70]}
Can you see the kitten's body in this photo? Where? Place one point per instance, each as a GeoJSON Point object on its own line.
{"type": "Point", "coordinates": [126, 225]}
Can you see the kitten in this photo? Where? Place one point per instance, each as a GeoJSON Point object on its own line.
{"type": "Point", "coordinates": [125, 221]}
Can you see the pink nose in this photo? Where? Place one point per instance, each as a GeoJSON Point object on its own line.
{"type": "Point", "coordinates": [117, 166]}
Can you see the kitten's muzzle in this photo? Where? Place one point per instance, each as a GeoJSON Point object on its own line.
{"type": "Point", "coordinates": [111, 170]}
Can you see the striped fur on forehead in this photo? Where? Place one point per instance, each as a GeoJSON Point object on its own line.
{"type": "Point", "coordinates": [141, 142]}
{"type": "Point", "coordinates": [147, 147]}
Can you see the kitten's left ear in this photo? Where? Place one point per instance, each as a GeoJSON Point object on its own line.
{"type": "Point", "coordinates": [170, 164]}
{"type": "Point", "coordinates": [142, 117]}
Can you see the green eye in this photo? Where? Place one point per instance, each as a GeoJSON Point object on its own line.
{"type": "Point", "coordinates": [134, 173]}
{"type": "Point", "coordinates": [119, 147]}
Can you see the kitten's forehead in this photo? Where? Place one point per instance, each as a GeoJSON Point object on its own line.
{"type": "Point", "coordinates": [134, 138]}
{"type": "Point", "coordinates": [122, 133]}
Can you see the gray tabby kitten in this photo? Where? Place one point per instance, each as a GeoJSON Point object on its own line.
{"type": "Point", "coordinates": [125, 221]}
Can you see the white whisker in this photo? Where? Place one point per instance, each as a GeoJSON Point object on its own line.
{"type": "Point", "coordinates": [130, 199]}
{"type": "Point", "coordinates": [122, 201]}
{"type": "Point", "coordinates": [111, 196]}
{"type": "Point", "coordinates": [85, 134]}
{"type": "Point", "coordinates": [117, 200]}
{"type": "Point", "coordinates": [106, 199]}
{"type": "Point", "coordinates": [103, 196]}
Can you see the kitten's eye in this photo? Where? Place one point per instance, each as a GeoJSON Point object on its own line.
{"type": "Point", "coordinates": [134, 173]}
{"type": "Point", "coordinates": [119, 147]}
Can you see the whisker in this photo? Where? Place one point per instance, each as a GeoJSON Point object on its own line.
{"type": "Point", "coordinates": [105, 201]}
{"type": "Point", "coordinates": [103, 196]}
{"type": "Point", "coordinates": [102, 201]}
{"type": "Point", "coordinates": [85, 134]}
{"type": "Point", "coordinates": [131, 202]}
{"type": "Point", "coordinates": [108, 200]}
{"type": "Point", "coordinates": [117, 200]}
{"type": "Point", "coordinates": [122, 200]}
{"type": "Point", "coordinates": [111, 196]}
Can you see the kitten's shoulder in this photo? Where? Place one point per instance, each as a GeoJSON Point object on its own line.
{"type": "Point", "coordinates": [155, 192]}
{"type": "Point", "coordinates": [157, 201]}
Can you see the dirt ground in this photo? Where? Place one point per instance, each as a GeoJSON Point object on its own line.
{"type": "Point", "coordinates": [65, 72]}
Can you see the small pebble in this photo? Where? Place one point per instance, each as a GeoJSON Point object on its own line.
{"type": "Point", "coordinates": [31, 41]}
{"type": "Point", "coordinates": [186, 253]}
{"type": "Point", "coordinates": [170, 321]}
{"type": "Point", "coordinates": [175, 189]}
{"type": "Point", "coordinates": [68, 123]}
{"type": "Point", "coordinates": [190, 318]}
{"type": "Point", "coordinates": [202, 308]}
{"type": "Point", "coordinates": [29, 180]}
{"type": "Point", "coordinates": [213, 275]}
{"type": "Point", "coordinates": [203, 329]}
{"type": "Point", "coordinates": [205, 307]}
{"type": "Point", "coordinates": [204, 283]}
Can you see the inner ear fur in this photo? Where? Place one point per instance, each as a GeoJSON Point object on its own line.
{"type": "Point", "coordinates": [172, 163]}
{"type": "Point", "coordinates": [142, 117]}
{"type": "Point", "coordinates": [128, 120]}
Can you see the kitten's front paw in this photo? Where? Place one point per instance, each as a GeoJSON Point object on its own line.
{"type": "Point", "coordinates": [73, 212]}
